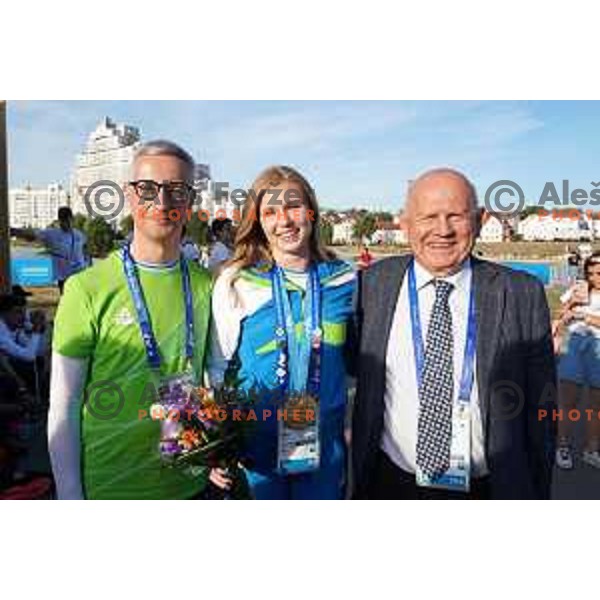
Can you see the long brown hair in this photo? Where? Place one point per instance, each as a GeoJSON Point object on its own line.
{"type": "Point", "coordinates": [589, 262]}
{"type": "Point", "coordinates": [251, 245]}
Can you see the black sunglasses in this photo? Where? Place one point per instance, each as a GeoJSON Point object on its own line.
{"type": "Point", "coordinates": [148, 190]}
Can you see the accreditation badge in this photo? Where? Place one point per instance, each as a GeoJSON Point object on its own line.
{"type": "Point", "coordinates": [298, 444]}
{"type": "Point", "coordinates": [457, 477]}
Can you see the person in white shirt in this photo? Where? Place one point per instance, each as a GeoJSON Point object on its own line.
{"type": "Point", "coordinates": [221, 251]}
{"type": "Point", "coordinates": [455, 363]}
{"type": "Point", "coordinates": [189, 250]}
{"type": "Point", "coordinates": [579, 366]}
{"type": "Point", "coordinates": [22, 350]}
{"type": "Point", "coordinates": [66, 245]}
{"type": "Point", "coordinates": [12, 319]}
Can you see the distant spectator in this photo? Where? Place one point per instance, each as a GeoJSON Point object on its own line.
{"type": "Point", "coordinates": [66, 245]}
{"type": "Point", "coordinates": [365, 258]}
{"type": "Point", "coordinates": [26, 328]}
{"type": "Point", "coordinates": [189, 250]}
{"type": "Point", "coordinates": [12, 318]}
{"type": "Point", "coordinates": [16, 403]}
{"type": "Point", "coordinates": [20, 292]}
{"type": "Point", "coordinates": [580, 365]}
{"type": "Point", "coordinates": [21, 350]}
{"type": "Point", "coordinates": [222, 249]}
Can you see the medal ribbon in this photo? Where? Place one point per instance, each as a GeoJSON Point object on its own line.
{"type": "Point", "coordinates": [298, 358]}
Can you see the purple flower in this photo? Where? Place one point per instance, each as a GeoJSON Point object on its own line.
{"type": "Point", "coordinates": [169, 447]}
{"type": "Point", "coordinates": [170, 429]}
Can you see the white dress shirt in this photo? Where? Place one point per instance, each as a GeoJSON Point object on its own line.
{"type": "Point", "coordinates": [399, 439]}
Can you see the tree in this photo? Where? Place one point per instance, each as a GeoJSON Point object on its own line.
{"type": "Point", "coordinates": [125, 226]}
{"type": "Point", "coordinates": [101, 237]}
{"type": "Point", "coordinates": [365, 226]}
{"type": "Point", "coordinates": [529, 210]}
{"type": "Point", "coordinates": [326, 232]}
{"type": "Point", "coordinates": [80, 222]}
{"type": "Point", "coordinates": [197, 230]}
{"type": "Point", "coordinates": [384, 216]}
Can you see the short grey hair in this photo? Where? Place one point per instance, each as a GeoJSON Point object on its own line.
{"type": "Point", "coordinates": [445, 171]}
{"type": "Point", "coordinates": [164, 148]}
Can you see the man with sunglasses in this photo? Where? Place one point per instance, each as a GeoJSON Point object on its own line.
{"type": "Point", "coordinates": [128, 332]}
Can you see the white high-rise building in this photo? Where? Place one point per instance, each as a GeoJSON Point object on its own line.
{"type": "Point", "coordinates": [203, 185]}
{"type": "Point", "coordinates": [36, 207]}
{"type": "Point", "coordinates": [107, 156]}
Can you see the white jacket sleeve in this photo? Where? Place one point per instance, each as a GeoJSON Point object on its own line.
{"type": "Point", "coordinates": [64, 424]}
{"type": "Point", "coordinates": [227, 314]}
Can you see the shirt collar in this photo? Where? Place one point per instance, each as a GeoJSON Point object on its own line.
{"type": "Point", "coordinates": [460, 280]}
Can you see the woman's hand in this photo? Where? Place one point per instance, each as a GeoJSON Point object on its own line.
{"type": "Point", "coordinates": [579, 297]}
{"type": "Point", "coordinates": [592, 320]}
{"type": "Point", "coordinates": [567, 316]}
{"type": "Point", "coordinates": [220, 478]}
{"type": "Point", "coordinates": [556, 337]}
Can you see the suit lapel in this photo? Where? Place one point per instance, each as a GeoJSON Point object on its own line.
{"type": "Point", "coordinates": [489, 308]}
{"type": "Point", "coordinates": [389, 288]}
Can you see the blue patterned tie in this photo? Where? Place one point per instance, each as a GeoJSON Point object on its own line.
{"type": "Point", "coordinates": [436, 390]}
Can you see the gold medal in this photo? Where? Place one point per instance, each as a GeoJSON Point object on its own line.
{"type": "Point", "coordinates": [301, 411]}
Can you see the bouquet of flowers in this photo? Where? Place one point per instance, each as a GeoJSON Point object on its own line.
{"type": "Point", "coordinates": [197, 431]}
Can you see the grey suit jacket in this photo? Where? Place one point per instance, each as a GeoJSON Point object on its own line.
{"type": "Point", "coordinates": [516, 374]}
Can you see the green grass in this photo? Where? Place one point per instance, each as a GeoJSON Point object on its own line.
{"type": "Point", "coordinates": [527, 250]}
{"type": "Point", "coordinates": [553, 294]}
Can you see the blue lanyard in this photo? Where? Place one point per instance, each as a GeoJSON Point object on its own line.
{"type": "Point", "coordinates": [466, 380]}
{"type": "Point", "coordinates": [139, 302]}
{"type": "Point", "coordinates": [299, 364]}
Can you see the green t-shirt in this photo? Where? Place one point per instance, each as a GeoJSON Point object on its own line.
{"type": "Point", "coordinates": [96, 319]}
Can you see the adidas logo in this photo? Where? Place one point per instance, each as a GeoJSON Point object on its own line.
{"type": "Point", "coordinates": [124, 317]}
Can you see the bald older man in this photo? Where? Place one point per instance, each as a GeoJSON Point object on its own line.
{"type": "Point", "coordinates": [455, 364]}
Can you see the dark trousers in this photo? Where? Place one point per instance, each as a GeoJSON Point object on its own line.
{"type": "Point", "coordinates": [390, 482]}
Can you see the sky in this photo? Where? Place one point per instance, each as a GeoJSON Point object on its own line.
{"type": "Point", "coordinates": [354, 153]}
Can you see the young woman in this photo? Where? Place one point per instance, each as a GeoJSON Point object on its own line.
{"type": "Point", "coordinates": [580, 365]}
{"type": "Point", "coordinates": [282, 315]}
